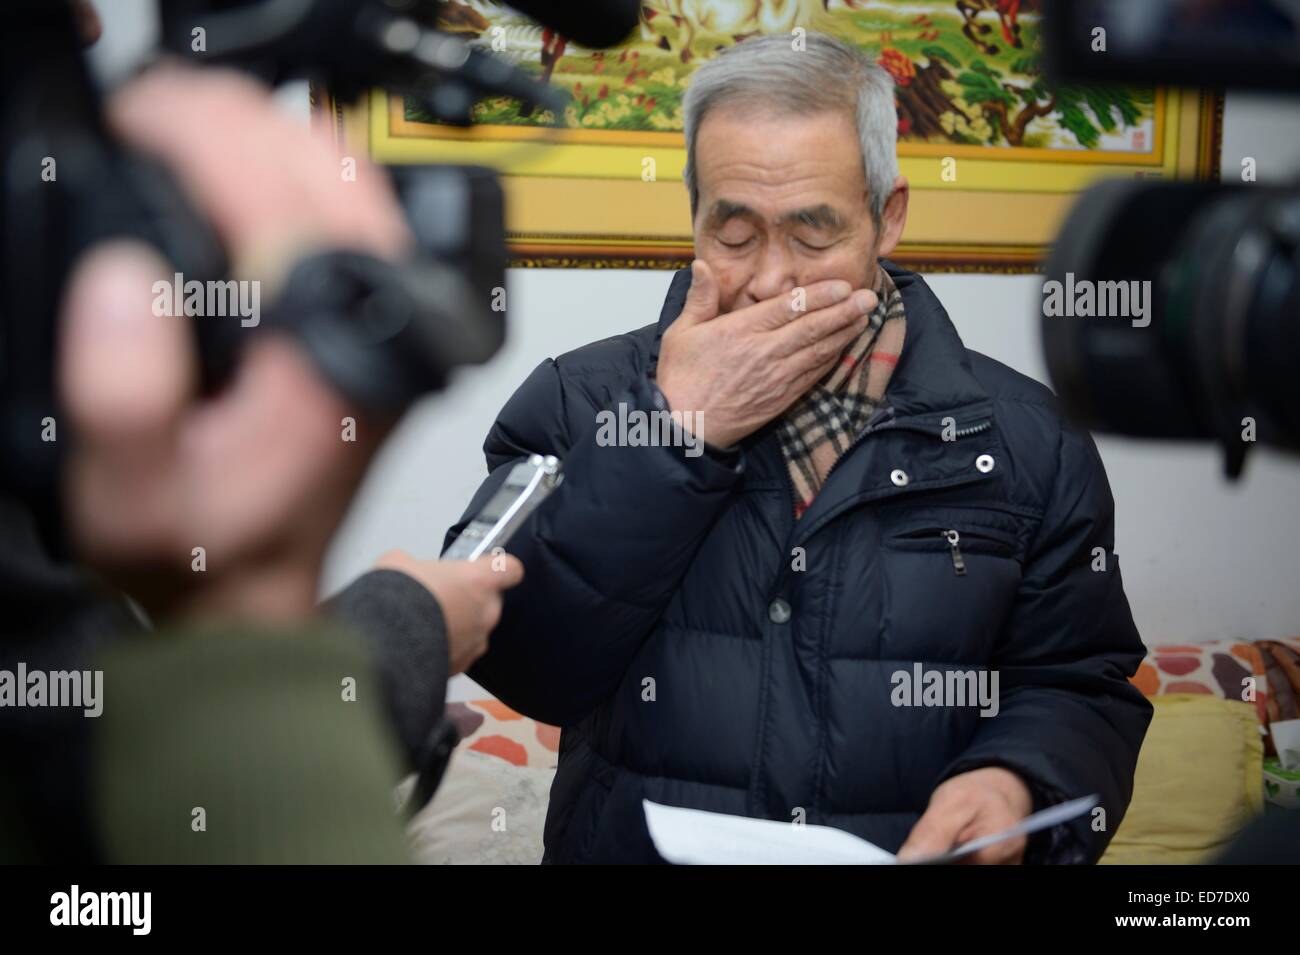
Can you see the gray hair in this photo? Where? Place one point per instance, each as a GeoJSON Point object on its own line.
{"type": "Point", "coordinates": [826, 74]}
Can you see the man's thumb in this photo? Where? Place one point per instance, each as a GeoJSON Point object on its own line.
{"type": "Point", "coordinates": [702, 298]}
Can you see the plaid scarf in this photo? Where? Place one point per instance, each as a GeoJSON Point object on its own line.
{"type": "Point", "coordinates": [825, 421]}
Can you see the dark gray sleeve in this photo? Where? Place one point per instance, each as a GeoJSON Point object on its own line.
{"type": "Point", "coordinates": [402, 626]}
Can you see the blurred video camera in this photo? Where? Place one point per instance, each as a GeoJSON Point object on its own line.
{"type": "Point", "coordinates": [1216, 352]}
{"type": "Point", "coordinates": [383, 333]}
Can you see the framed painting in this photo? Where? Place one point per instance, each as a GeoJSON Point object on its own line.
{"type": "Point", "coordinates": [994, 155]}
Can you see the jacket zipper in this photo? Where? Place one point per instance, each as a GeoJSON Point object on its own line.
{"type": "Point", "coordinates": [891, 425]}
{"type": "Point", "coordinates": [888, 424]}
{"type": "Point", "coordinates": [973, 429]}
{"type": "Point", "coordinates": [953, 539]}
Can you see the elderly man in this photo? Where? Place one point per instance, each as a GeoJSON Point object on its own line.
{"type": "Point", "coordinates": [869, 581]}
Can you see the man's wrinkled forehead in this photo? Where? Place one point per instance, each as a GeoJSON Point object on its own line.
{"type": "Point", "coordinates": [767, 166]}
{"type": "Point", "coordinates": [819, 216]}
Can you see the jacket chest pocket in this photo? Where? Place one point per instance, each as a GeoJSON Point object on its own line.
{"type": "Point", "coordinates": [956, 538]}
{"type": "Point", "coordinates": [951, 576]}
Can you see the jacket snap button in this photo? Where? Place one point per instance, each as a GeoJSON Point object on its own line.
{"type": "Point", "coordinates": [778, 611]}
{"type": "Point", "coordinates": [899, 477]}
{"type": "Point", "coordinates": [984, 463]}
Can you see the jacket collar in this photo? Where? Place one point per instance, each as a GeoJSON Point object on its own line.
{"type": "Point", "coordinates": [933, 378]}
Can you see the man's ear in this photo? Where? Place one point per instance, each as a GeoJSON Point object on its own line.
{"type": "Point", "coordinates": [895, 217]}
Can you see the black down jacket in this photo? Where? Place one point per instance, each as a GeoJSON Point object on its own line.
{"type": "Point", "coordinates": [695, 656]}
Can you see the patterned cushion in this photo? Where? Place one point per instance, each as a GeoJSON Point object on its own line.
{"type": "Point", "coordinates": [492, 728]}
{"type": "Point", "coordinates": [491, 806]}
{"type": "Point", "coordinates": [1219, 668]}
{"type": "Point", "coordinates": [486, 811]}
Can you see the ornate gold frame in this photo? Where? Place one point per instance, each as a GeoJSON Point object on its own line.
{"type": "Point", "coordinates": [578, 198]}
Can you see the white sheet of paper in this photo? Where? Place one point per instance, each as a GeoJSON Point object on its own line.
{"type": "Point", "coordinates": [695, 837]}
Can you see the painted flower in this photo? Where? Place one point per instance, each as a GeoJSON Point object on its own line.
{"type": "Point", "coordinates": [896, 63]}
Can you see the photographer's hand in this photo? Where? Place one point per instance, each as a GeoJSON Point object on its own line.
{"type": "Point", "coordinates": [272, 190]}
{"type": "Point", "coordinates": [259, 476]}
{"type": "Point", "coordinates": [469, 593]}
